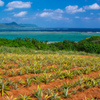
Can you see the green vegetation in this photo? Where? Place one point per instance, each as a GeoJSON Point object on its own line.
{"type": "Point", "coordinates": [89, 45]}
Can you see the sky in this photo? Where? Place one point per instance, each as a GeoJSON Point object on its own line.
{"type": "Point", "coordinates": [52, 13]}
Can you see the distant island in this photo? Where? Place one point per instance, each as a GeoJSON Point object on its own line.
{"type": "Point", "coordinates": [15, 25]}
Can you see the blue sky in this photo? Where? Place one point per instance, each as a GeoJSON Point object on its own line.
{"type": "Point", "coordinates": [52, 13]}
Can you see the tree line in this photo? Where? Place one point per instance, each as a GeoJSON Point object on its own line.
{"type": "Point", "coordinates": [91, 45]}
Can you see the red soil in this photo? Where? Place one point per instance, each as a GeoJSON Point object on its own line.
{"type": "Point", "coordinates": [89, 93]}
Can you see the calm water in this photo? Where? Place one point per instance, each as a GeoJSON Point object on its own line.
{"type": "Point", "coordinates": [50, 36]}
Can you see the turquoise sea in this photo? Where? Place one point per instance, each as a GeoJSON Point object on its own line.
{"type": "Point", "coordinates": [50, 36]}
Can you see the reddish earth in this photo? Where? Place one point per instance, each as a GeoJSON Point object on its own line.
{"type": "Point", "coordinates": [89, 93]}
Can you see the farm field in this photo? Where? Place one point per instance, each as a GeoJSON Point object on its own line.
{"type": "Point", "coordinates": [49, 77]}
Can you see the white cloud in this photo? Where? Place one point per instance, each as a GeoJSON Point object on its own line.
{"type": "Point", "coordinates": [53, 14]}
{"type": "Point", "coordinates": [59, 11]}
{"type": "Point", "coordinates": [86, 18]}
{"type": "Point", "coordinates": [21, 14]}
{"type": "Point", "coordinates": [47, 10]}
{"type": "Point", "coordinates": [9, 9]}
{"type": "Point", "coordinates": [7, 19]}
{"type": "Point", "coordinates": [66, 18]}
{"type": "Point", "coordinates": [74, 9]}
{"type": "Point", "coordinates": [18, 4]}
{"type": "Point", "coordinates": [91, 13]}
{"type": "Point", "coordinates": [46, 14]}
{"type": "Point", "coordinates": [77, 17]}
{"type": "Point", "coordinates": [94, 6]}
{"type": "Point", "coordinates": [1, 3]}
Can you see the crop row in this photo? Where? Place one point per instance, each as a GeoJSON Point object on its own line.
{"type": "Point", "coordinates": [64, 91]}
{"type": "Point", "coordinates": [43, 64]}
{"type": "Point", "coordinates": [68, 89]}
{"type": "Point", "coordinates": [36, 70]}
{"type": "Point", "coordinates": [44, 61]}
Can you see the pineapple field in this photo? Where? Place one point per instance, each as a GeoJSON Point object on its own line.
{"type": "Point", "coordinates": [49, 77]}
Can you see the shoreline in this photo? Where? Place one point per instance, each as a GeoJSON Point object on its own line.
{"type": "Point", "coordinates": [48, 32]}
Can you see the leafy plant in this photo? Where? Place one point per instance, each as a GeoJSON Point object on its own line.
{"type": "Point", "coordinates": [48, 92]}
{"type": "Point", "coordinates": [20, 72]}
{"type": "Point", "coordinates": [24, 97]}
{"type": "Point", "coordinates": [39, 93]}
{"type": "Point", "coordinates": [74, 91]}
{"type": "Point", "coordinates": [3, 89]}
{"type": "Point", "coordinates": [28, 82]}
{"type": "Point", "coordinates": [10, 98]}
{"type": "Point", "coordinates": [81, 88]}
{"type": "Point", "coordinates": [5, 73]}
{"type": "Point", "coordinates": [12, 73]}
{"type": "Point", "coordinates": [55, 97]}
{"type": "Point", "coordinates": [80, 81]}
{"type": "Point", "coordinates": [9, 82]}
{"type": "Point", "coordinates": [46, 78]}
{"type": "Point", "coordinates": [36, 79]}
{"type": "Point", "coordinates": [65, 93]}
{"type": "Point", "coordinates": [15, 86]}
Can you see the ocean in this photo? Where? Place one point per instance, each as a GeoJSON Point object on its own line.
{"type": "Point", "coordinates": [51, 35]}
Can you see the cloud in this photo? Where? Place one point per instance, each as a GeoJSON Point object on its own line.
{"type": "Point", "coordinates": [59, 11]}
{"type": "Point", "coordinates": [46, 14]}
{"type": "Point", "coordinates": [8, 19]}
{"type": "Point", "coordinates": [1, 3]}
{"type": "Point", "coordinates": [18, 4]}
{"type": "Point", "coordinates": [74, 9]}
{"type": "Point", "coordinates": [47, 10]}
{"type": "Point", "coordinates": [77, 17]}
{"type": "Point", "coordinates": [53, 14]}
{"type": "Point", "coordinates": [21, 14]}
{"type": "Point", "coordinates": [93, 6]}
{"type": "Point", "coordinates": [86, 18]}
{"type": "Point", "coordinates": [91, 13]}
{"type": "Point", "coordinates": [66, 18]}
